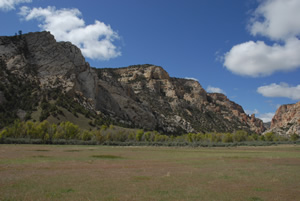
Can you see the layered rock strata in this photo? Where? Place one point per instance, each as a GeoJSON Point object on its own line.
{"type": "Point", "coordinates": [142, 96]}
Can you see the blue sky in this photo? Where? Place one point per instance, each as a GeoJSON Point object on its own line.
{"type": "Point", "coordinates": [249, 50]}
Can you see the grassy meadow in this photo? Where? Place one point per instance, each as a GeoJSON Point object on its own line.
{"type": "Point", "coordinates": [74, 172]}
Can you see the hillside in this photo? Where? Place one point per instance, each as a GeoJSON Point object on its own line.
{"type": "Point", "coordinates": [44, 79]}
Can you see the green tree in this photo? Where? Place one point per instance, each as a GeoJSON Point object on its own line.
{"type": "Point", "coordinates": [227, 138]}
{"type": "Point", "coordinates": [3, 133]}
{"type": "Point", "coordinates": [199, 137]}
{"type": "Point", "coordinates": [99, 137]}
{"type": "Point", "coordinates": [139, 135]}
{"type": "Point", "coordinates": [86, 136]}
{"type": "Point", "coordinates": [157, 137]}
{"type": "Point", "coordinates": [17, 130]}
{"type": "Point", "coordinates": [52, 130]}
{"type": "Point", "coordinates": [190, 137]}
{"type": "Point", "coordinates": [269, 136]}
{"type": "Point", "coordinates": [31, 131]}
{"type": "Point", "coordinates": [209, 137]}
{"type": "Point", "coordinates": [294, 137]}
{"type": "Point", "coordinates": [240, 136]}
{"type": "Point", "coordinates": [218, 137]}
{"type": "Point", "coordinates": [148, 136]}
{"type": "Point", "coordinates": [103, 127]}
{"type": "Point", "coordinates": [71, 130]}
{"type": "Point", "coordinates": [42, 130]}
{"type": "Point", "coordinates": [131, 136]}
{"type": "Point", "coordinates": [255, 136]}
{"type": "Point", "coordinates": [262, 138]}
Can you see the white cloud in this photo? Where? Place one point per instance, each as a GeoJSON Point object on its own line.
{"type": "Point", "coordinates": [7, 5]}
{"type": "Point", "coordinates": [258, 59]}
{"type": "Point", "coordinates": [191, 78]}
{"type": "Point", "coordinates": [280, 19]}
{"type": "Point", "coordinates": [212, 89]}
{"type": "Point", "coordinates": [281, 90]}
{"type": "Point", "coordinates": [267, 117]}
{"type": "Point", "coordinates": [94, 40]}
{"type": "Point", "coordinates": [277, 20]}
{"type": "Point", "coordinates": [255, 111]}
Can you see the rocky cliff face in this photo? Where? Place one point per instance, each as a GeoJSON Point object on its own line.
{"type": "Point", "coordinates": [143, 96]}
{"type": "Point", "coordinates": [286, 120]}
{"type": "Point", "coordinates": [146, 96]}
{"type": "Point", "coordinates": [38, 56]}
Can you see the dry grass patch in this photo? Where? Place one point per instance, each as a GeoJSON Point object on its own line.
{"type": "Point", "coordinates": [149, 173]}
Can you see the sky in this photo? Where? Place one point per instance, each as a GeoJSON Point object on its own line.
{"type": "Point", "coordinates": [249, 50]}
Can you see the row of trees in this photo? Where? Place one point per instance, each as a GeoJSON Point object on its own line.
{"type": "Point", "coordinates": [49, 133]}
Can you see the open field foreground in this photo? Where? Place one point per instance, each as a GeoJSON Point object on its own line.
{"type": "Point", "coordinates": [51, 172]}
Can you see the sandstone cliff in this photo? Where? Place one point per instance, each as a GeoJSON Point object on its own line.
{"type": "Point", "coordinates": [146, 96]}
{"type": "Point", "coordinates": [286, 120]}
{"type": "Point", "coordinates": [142, 96]}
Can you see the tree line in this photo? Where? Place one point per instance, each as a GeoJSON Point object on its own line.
{"type": "Point", "coordinates": [67, 132]}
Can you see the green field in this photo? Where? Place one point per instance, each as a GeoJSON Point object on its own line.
{"type": "Point", "coordinates": [51, 172]}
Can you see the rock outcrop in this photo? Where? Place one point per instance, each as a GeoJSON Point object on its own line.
{"type": "Point", "coordinates": [142, 96]}
{"type": "Point", "coordinates": [146, 96]}
{"type": "Point", "coordinates": [286, 120]}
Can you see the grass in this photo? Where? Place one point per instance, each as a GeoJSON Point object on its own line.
{"type": "Point", "coordinates": [73, 172]}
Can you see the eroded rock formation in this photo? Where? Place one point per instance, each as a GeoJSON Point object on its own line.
{"type": "Point", "coordinates": [142, 96]}
{"type": "Point", "coordinates": [286, 120]}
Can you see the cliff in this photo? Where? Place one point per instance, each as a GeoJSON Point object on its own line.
{"type": "Point", "coordinates": [286, 120]}
{"type": "Point", "coordinates": [146, 96]}
{"type": "Point", "coordinates": [56, 75]}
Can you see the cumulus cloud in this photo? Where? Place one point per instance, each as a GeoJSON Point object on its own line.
{"type": "Point", "coordinates": [258, 59]}
{"type": "Point", "coordinates": [94, 40]}
{"type": "Point", "coordinates": [281, 19]}
{"type": "Point", "coordinates": [212, 89]}
{"type": "Point", "coordinates": [7, 5]}
{"type": "Point", "coordinates": [266, 117]}
{"type": "Point", "coordinates": [277, 20]}
{"type": "Point", "coordinates": [280, 90]}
